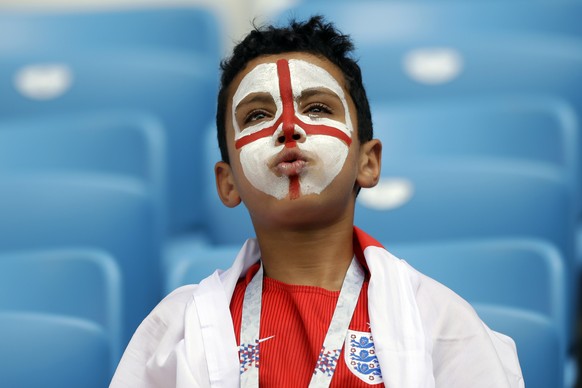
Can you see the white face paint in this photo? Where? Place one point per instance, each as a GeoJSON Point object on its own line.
{"type": "Point", "coordinates": [324, 144]}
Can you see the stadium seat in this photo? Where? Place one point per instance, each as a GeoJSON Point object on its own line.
{"type": "Point", "coordinates": [109, 213]}
{"type": "Point", "coordinates": [119, 147]}
{"type": "Point", "coordinates": [536, 341]}
{"type": "Point", "coordinates": [395, 19]}
{"type": "Point", "coordinates": [191, 29]}
{"type": "Point", "coordinates": [87, 65]}
{"type": "Point", "coordinates": [191, 265]}
{"type": "Point", "coordinates": [488, 167]}
{"type": "Point", "coordinates": [81, 284]}
{"type": "Point", "coordinates": [116, 143]}
{"type": "Point", "coordinates": [467, 199]}
{"type": "Point", "coordinates": [52, 351]}
{"type": "Point", "coordinates": [526, 128]}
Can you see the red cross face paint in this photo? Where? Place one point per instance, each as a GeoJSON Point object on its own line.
{"type": "Point", "coordinates": [291, 152]}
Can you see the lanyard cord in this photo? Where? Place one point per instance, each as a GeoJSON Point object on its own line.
{"type": "Point", "coordinates": [334, 339]}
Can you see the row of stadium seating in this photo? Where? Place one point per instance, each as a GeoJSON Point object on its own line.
{"type": "Point", "coordinates": [101, 117]}
{"type": "Point", "coordinates": [107, 188]}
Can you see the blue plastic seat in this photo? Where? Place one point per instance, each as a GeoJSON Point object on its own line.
{"type": "Point", "coordinates": [52, 351]}
{"type": "Point", "coordinates": [522, 128]}
{"type": "Point", "coordinates": [114, 214]}
{"type": "Point", "coordinates": [536, 340]}
{"type": "Point", "coordinates": [73, 283]}
{"type": "Point", "coordinates": [475, 167]}
{"type": "Point", "coordinates": [118, 149]}
{"type": "Point", "coordinates": [467, 199]}
{"type": "Point", "coordinates": [166, 28]}
{"type": "Point", "coordinates": [122, 144]}
{"type": "Point", "coordinates": [197, 261]}
{"type": "Point", "coordinates": [483, 168]}
{"type": "Point", "coordinates": [87, 65]}
{"type": "Point", "coordinates": [395, 19]}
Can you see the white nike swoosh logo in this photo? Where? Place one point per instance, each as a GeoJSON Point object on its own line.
{"type": "Point", "coordinates": [264, 339]}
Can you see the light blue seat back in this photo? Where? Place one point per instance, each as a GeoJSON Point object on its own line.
{"type": "Point", "coordinates": [475, 168]}
{"type": "Point", "coordinates": [117, 143]}
{"type": "Point", "coordinates": [83, 68]}
{"type": "Point", "coordinates": [113, 214]}
{"type": "Point", "coordinates": [536, 340]}
{"type": "Point", "coordinates": [523, 128]}
{"type": "Point", "coordinates": [77, 283]}
{"type": "Point", "coordinates": [401, 18]}
{"type": "Point", "coordinates": [120, 149]}
{"type": "Point", "coordinates": [198, 263]}
{"type": "Point", "coordinates": [182, 28]}
{"type": "Point", "coordinates": [52, 351]}
{"type": "Point", "coordinates": [467, 199]}
{"type": "Point", "coordinates": [460, 65]}
{"type": "Point", "coordinates": [520, 273]}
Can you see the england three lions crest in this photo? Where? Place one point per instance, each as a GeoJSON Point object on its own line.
{"type": "Point", "coordinates": [360, 357]}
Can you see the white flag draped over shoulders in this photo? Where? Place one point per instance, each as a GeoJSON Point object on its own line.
{"type": "Point", "coordinates": [425, 335]}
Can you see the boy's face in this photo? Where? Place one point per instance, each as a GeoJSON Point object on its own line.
{"type": "Point", "coordinates": [290, 129]}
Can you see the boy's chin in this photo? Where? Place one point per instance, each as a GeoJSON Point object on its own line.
{"type": "Point", "coordinates": [298, 198]}
{"type": "Point", "coordinates": [307, 209]}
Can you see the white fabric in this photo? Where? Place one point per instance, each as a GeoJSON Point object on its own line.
{"type": "Point", "coordinates": [425, 335]}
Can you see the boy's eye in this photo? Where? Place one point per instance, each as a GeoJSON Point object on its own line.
{"type": "Point", "coordinates": [317, 110]}
{"type": "Point", "coordinates": [255, 115]}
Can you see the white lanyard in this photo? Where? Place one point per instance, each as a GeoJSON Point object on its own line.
{"type": "Point", "coordinates": [334, 339]}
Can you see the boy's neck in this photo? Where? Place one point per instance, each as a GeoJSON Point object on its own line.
{"type": "Point", "coordinates": [308, 257]}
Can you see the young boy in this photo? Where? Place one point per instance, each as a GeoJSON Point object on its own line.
{"type": "Point", "coordinates": [312, 301]}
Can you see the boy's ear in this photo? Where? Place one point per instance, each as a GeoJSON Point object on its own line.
{"type": "Point", "coordinates": [225, 185]}
{"type": "Point", "coordinates": [370, 163]}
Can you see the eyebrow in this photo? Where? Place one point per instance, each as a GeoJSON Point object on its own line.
{"type": "Point", "coordinates": [263, 98]}
{"type": "Point", "coordinates": [317, 91]}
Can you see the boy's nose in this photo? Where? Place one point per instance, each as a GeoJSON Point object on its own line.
{"type": "Point", "coordinates": [291, 135]}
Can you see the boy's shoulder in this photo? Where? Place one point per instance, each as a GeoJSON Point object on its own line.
{"type": "Point", "coordinates": [150, 358]}
{"type": "Point", "coordinates": [437, 304]}
{"type": "Point", "coordinates": [461, 341]}
{"type": "Point", "coordinates": [174, 304]}
{"type": "Point", "coordinates": [167, 318]}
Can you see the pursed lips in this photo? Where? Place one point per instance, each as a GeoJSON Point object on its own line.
{"type": "Point", "coordinates": [289, 162]}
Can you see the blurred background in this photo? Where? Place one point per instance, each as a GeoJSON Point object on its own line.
{"type": "Point", "coordinates": [107, 148]}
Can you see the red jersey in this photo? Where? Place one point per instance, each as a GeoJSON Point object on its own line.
{"type": "Point", "coordinates": [294, 322]}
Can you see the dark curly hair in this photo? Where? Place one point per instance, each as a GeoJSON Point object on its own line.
{"type": "Point", "coordinates": [314, 36]}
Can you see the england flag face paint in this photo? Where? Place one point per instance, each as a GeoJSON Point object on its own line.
{"type": "Point", "coordinates": [292, 153]}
